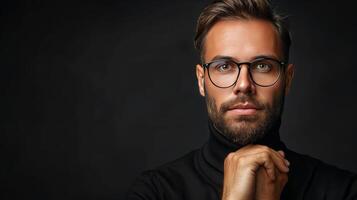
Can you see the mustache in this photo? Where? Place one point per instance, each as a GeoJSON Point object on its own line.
{"type": "Point", "coordinates": [242, 98]}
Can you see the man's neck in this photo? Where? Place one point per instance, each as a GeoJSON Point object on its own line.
{"type": "Point", "coordinates": [219, 146]}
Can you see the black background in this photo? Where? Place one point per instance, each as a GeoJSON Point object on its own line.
{"type": "Point", "coordinates": [95, 92]}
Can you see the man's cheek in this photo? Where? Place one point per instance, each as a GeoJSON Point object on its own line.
{"type": "Point", "coordinates": [218, 106]}
{"type": "Point", "coordinates": [267, 101]}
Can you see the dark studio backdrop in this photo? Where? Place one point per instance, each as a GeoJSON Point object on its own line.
{"type": "Point", "coordinates": [95, 92]}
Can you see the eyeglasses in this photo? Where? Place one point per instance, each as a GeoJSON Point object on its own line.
{"type": "Point", "coordinates": [264, 72]}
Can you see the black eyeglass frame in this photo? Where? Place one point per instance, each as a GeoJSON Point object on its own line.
{"type": "Point", "coordinates": [281, 65]}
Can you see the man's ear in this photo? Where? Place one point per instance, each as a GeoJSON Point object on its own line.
{"type": "Point", "coordinates": [289, 77]}
{"type": "Point", "coordinates": [200, 74]}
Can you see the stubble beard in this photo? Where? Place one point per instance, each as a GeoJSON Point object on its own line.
{"type": "Point", "coordinates": [243, 130]}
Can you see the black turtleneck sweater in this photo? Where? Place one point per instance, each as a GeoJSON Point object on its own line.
{"type": "Point", "coordinates": [199, 175]}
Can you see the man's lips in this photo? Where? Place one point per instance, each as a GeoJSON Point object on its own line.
{"type": "Point", "coordinates": [243, 109]}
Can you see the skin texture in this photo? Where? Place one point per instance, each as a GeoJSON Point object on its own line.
{"type": "Point", "coordinates": [254, 171]}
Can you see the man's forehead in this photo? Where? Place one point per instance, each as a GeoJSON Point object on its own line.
{"type": "Point", "coordinates": [242, 40]}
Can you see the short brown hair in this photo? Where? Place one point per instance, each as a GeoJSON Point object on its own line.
{"type": "Point", "coordinates": [240, 9]}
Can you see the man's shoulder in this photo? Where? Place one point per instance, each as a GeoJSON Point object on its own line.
{"type": "Point", "coordinates": [174, 174]}
{"type": "Point", "coordinates": [311, 175]}
{"type": "Point", "coordinates": [178, 166]}
{"type": "Point", "coordinates": [308, 163]}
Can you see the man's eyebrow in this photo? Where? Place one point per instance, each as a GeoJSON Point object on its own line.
{"type": "Point", "coordinates": [219, 57]}
{"type": "Point", "coordinates": [266, 56]}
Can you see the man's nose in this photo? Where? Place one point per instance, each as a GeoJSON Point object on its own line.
{"type": "Point", "coordinates": [244, 83]}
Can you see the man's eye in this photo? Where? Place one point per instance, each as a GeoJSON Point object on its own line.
{"type": "Point", "coordinates": [224, 68]}
{"type": "Point", "coordinates": [262, 67]}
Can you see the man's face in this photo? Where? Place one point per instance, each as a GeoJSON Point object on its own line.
{"type": "Point", "coordinates": [244, 112]}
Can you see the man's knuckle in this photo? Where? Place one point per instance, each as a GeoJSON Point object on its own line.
{"type": "Point", "coordinates": [265, 155]}
{"type": "Point", "coordinates": [236, 158]}
{"type": "Point", "coordinates": [229, 156]}
{"type": "Point", "coordinates": [247, 161]}
{"type": "Point", "coordinates": [264, 148]}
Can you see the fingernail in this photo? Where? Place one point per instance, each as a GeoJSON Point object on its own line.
{"type": "Point", "coordinates": [287, 169]}
{"type": "Point", "coordinates": [282, 153]}
{"type": "Point", "coordinates": [287, 162]}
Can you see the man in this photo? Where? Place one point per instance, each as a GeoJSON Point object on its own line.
{"type": "Point", "coordinates": [244, 46]}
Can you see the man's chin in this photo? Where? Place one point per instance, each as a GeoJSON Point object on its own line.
{"type": "Point", "coordinates": [243, 127]}
{"type": "Point", "coordinates": [242, 119]}
{"type": "Point", "coordinates": [243, 130]}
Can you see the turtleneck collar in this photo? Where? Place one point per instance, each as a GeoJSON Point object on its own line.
{"type": "Point", "coordinates": [219, 146]}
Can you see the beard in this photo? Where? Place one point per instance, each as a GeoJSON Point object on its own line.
{"type": "Point", "coordinates": [246, 129]}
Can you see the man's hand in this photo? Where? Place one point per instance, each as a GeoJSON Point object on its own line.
{"type": "Point", "coordinates": [266, 189]}
{"type": "Point", "coordinates": [254, 172]}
